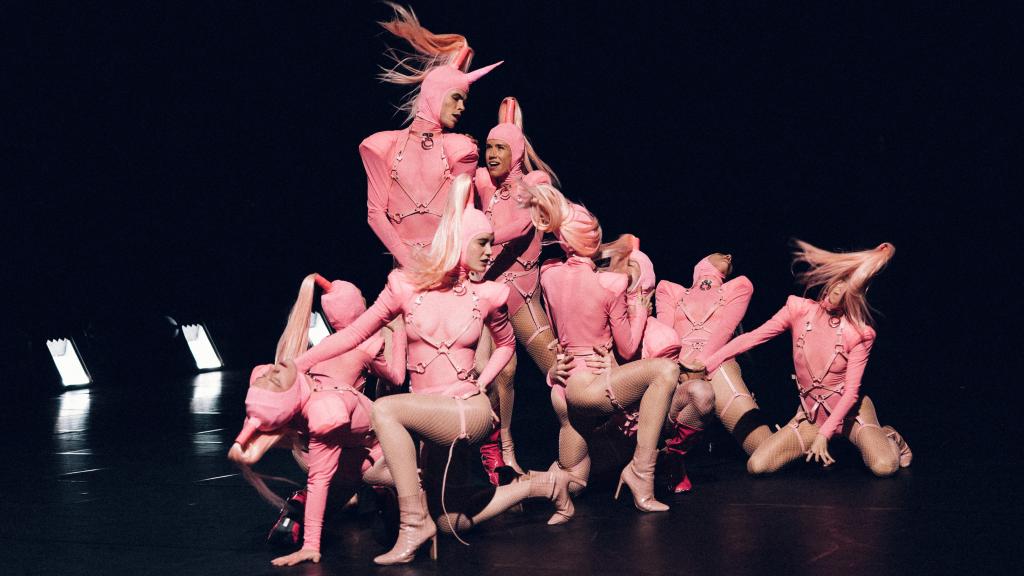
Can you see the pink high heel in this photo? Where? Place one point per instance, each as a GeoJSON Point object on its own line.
{"type": "Point", "coordinates": [675, 450]}
{"type": "Point", "coordinates": [415, 529]}
{"type": "Point", "coordinates": [490, 457]}
{"type": "Point", "coordinates": [639, 476]}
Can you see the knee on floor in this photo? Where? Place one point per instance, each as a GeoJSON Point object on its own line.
{"type": "Point", "coordinates": [884, 467]}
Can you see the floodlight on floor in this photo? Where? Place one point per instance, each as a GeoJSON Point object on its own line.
{"type": "Point", "coordinates": [201, 346]}
{"type": "Point", "coordinates": [68, 362]}
{"type": "Point", "coordinates": [317, 329]}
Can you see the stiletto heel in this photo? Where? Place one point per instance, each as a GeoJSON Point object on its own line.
{"type": "Point", "coordinates": [433, 547]}
{"type": "Point", "coordinates": [618, 488]}
{"type": "Point", "coordinates": [639, 476]}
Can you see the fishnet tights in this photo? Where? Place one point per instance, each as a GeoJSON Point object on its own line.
{"type": "Point", "coordinates": [434, 418]}
{"type": "Point", "coordinates": [693, 404]}
{"type": "Point", "coordinates": [541, 347]}
{"type": "Point", "coordinates": [878, 451]}
{"type": "Point", "coordinates": [572, 447]}
{"type": "Point", "coordinates": [504, 498]}
{"type": "Point", "coordinates": [743, 418]}
{"type": "Point", "coordinates": [651, 382]}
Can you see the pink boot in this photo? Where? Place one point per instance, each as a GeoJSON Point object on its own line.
{"type": "Point", "coordinates": [675, 450]}
{"type": "Point", "coordinates": [415, 529]}
{"type": "Point", "coordinates": [639, 476]}
{"type": "Point", "coordinates": [490, 456]}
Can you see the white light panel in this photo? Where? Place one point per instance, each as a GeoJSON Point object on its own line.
{"type": "Point", "coordinates": [65, 357]}
{"type": "Point", "coordinates": [202, 348]}
{"type": "Point", "coordinates": [317, 329]}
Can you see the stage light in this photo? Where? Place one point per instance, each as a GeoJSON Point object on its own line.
{"type": "Point", "coordinates": [68, 362]}
{"type": "Point", "coordinates": [199, 343]}
{"type": "Point", "coordinates": [317, 329]}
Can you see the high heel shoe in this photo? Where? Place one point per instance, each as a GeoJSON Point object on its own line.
{"type": "Point", "coordinates": [554, 485]}
{"type": "Point", "coordinates": [639, 476]}
{"type": "Point", "coordinates": [490, 457]}
{"type": "Point", "coordinates": [905, 455]}
{"type": "Point", "coordinates": [415, 529]}
{"type": "Point", "coordinates": [676, 449]}
{"type": "Point", "coordinates": [508, 456]}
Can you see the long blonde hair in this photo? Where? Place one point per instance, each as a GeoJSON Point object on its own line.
{"type": "Point", "coordinates": [551, 211]}
{"type": "Point", "coordinates": [430, 51]}
{"type": "Point", "coordinates": [857, 269]}
{"type": "Point", "coordinates": [434, 268]}
{"type": "Point", "coordinates": [531, 160]}
{"type": "Point", "coordinates": [295, 338]}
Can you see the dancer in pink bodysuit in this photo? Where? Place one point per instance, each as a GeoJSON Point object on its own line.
{"type": "Point", "coordinates": [328, 404]}
{"type": "Point", "coordinates": [514, 258]}
{"type": "Point", "coordinates": [589, 310]}
{"type": "Point", "coordinates": [705, 316]}
{"type": "Point", "coordinates": [832, 340]}
{"type": "Point", "coordinates": [409, 171]}
{"type": "Point", "coordinates": [445, 312]}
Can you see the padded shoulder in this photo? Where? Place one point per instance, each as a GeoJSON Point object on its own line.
{"type": "Point", "coordinates": [614, 282]}
{"type": "Point", "coordinates": [740, 284]}
{"type": "Point", "coordinates": [495, 293]}
{"type": "Point", "coordinates": [550, 264]}
{"type": "Point", "coordinates": [798, 304]}
{"type": "Point", "coordinates": [378, 145]}
{"type": "Point", "coordinates": [399, 284]}
{"type": "Point", "coordinates": [460, 147]}
{"type": "Point", "coordinates": [670, 288]}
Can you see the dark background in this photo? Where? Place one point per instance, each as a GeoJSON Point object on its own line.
{"type": "Point", "coordinates": [195, 161]}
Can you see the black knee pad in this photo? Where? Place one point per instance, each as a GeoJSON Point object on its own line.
{"type": "Point", "coordinates": [747, 423]}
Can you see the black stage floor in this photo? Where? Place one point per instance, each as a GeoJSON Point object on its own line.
{"type": "Point", "coordinates": [134, 481]}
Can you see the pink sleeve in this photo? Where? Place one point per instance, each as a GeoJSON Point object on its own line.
{"type": "Point", "coordinates": [740, 344]}
{"type": "Point", "coordinates": [504, 337]}
{"type": "Point", "coordinates": [729, 316]}
{"type": "Point", "coordinates": [520, 225]}
{"type": "Point", "coordinates": [323, 463]}
{"type": "Point", "coordinates": [393, 369]}
{"type": "Point", "coordinates": [855, 365]}
{"type": "Point", "coordinates": [627, 331]}
{"type": "Point", "coordinates": [665, 304]}
{"type": "Point", "coordinates": [463, 153]}
{"type": "Point", "coordinates": [387, 306]}
{"type": "Point", "coordinates": [373, 151]}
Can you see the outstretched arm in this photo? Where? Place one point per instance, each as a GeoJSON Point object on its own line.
{"type": "Point", "coordinates": [390, 364]}
{"type": "Point", "coordinates": [778, 324]}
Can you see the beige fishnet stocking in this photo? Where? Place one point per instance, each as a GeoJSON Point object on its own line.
{"type": "Point", "coordinates": [693, 404]}
{"type": "Point", "coordinates": [572, 447]}
{"type": "Point", "coordinates": [525, 326]}
{"type": "Point", "coordinates": [651, 382]}
{"type": "Point", "coordinates": [434, 418]}
{"type": "Point", "coordinates": [782, 447]}
{"type": "Point", "coordinates": [879, 452]}
{"type": "Point", "coordinates": [743, 417]}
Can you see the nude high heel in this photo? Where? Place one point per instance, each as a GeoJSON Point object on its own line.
{"type": "Point", "coordinates": [554, 485]}
{"type": "Point", "coordinates": [415, 529]}
{"type": "Point", "coordinates": [639, 476]}
{"type": "Point", "coordinates": [902, 448]}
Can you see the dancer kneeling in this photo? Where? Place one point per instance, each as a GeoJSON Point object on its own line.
{"type": "Point", "coordinates": [327, 403]}
{"type": "Point", "coordinates": [445, 311]}
{"type": "Point", "coordinates": [587, 310]}
{"type": "Point", "coordinates": [832, 339]}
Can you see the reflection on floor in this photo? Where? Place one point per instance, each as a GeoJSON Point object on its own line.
{"type": "Point", "coordinates": [135, 481]}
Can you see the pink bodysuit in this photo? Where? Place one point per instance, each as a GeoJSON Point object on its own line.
{"type": "Point", "coordinates": [443, 328]}
{"type": "Point", "coordinates": [589, 309]}
{"type": "Point", "coordinates": [829, 357]}
{"type": "Point", "coordinates": [409, 172]}
{"type": "Point", "coordinates": [706, 314]}
{"type": "Point", "coordinates": [516, 246]}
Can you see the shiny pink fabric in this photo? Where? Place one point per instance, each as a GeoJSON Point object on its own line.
{"type": "Point", "coordinates": [447, 316]}
{"type": "Point", "coordinates": [517, 243]}
{"type": "Point", "coordinates": [337, 416]}
{"type": "Point", "coordinates": [687, 309]}
{"type": "Point", "coordinates": [589, 309]}
{"type": "Point", "coordinates": [442, 80]}
{"type": "Point", "coordinates": [820, 344]}
{"type": "Point", "coordinates": [343, 304]}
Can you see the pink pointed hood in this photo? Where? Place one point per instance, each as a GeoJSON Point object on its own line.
{"type": "Point", "coordinates": [342, 302]}
{"type": "Point", "coordinates": [267, 410]}
{"type": "Point", "coordinates": [474, 223]}
{"type": "Point", "coordinates": [705, 269]}
{"type": "Point", "coordinates": [647, 279]}
{"type": "Point", "coordinates": [442, 80]}
{"type": "Point", "coordinates": [508, 132]}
